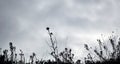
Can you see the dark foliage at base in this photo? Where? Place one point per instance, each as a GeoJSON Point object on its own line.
{"type": "Point", "coordinates": [111, 61]}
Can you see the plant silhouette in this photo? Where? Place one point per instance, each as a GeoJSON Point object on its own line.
{"type": "Point", "coordinates": [104, 54]}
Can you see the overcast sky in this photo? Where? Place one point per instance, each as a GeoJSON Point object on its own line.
{"type": "Point", "coordinates": [73, 22]}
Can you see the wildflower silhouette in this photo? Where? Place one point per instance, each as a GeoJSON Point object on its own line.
{"type": "Point", "coordinates": [104, 54]}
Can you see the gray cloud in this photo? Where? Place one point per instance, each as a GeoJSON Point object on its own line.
{"type": "Point", "coordinates": [24, 22]}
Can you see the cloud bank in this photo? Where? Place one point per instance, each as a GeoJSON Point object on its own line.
{"type": "Point", "coordinates": [74, 23]}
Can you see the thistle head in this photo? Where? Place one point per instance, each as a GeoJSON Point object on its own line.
{"type": "Point", "coordinates": [31, 56]}
{"type": "Point", "coordinates": [51, 33]}
{"type": "Point", "coordinates": [15, 54]}
{"type": "Point", "coordinates": [86, 46]}
{"type": "Point", "coordinates": [72, 54]}
{"type": "Point", "coordinates": [10, 43]}
{"type": "Point", "coordinates": [61, 54]}
{"type": "Point", "coordinates": [34, 54]}
{"type": "Point", "coordinates": [47, 28]}
{"type": "Point", "coordinates": [52, 53]}
{"type": "Point", "coordinates": [5, 51]}
{"type": "Point", "coordinates": [66, 49]}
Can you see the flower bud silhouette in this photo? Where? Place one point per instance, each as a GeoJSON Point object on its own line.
{"type": "Point", "coordinates": [47, 28]}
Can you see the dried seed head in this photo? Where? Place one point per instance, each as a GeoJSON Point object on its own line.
{"type": "Point", "coordinates": [34, 54]}
{"type": "Point", "coordinates": [86, 46]}
{"type": "Point", "coordinates": [10, 43]}
{"type": "Point", "coordinates": [15, 54]}
{"type": "Point", "coordinates": [66, 49]}
{"type": "Point", "coordinates": [70, 50]}
{"type": "Point", "coordinates": [72, 54]}
{"type": "Point", "coordinates": [61, 54]}
{"type": "Point", "coordinates": [47, 28]}
{"type": "Point", "coordinates": [51, 33]}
